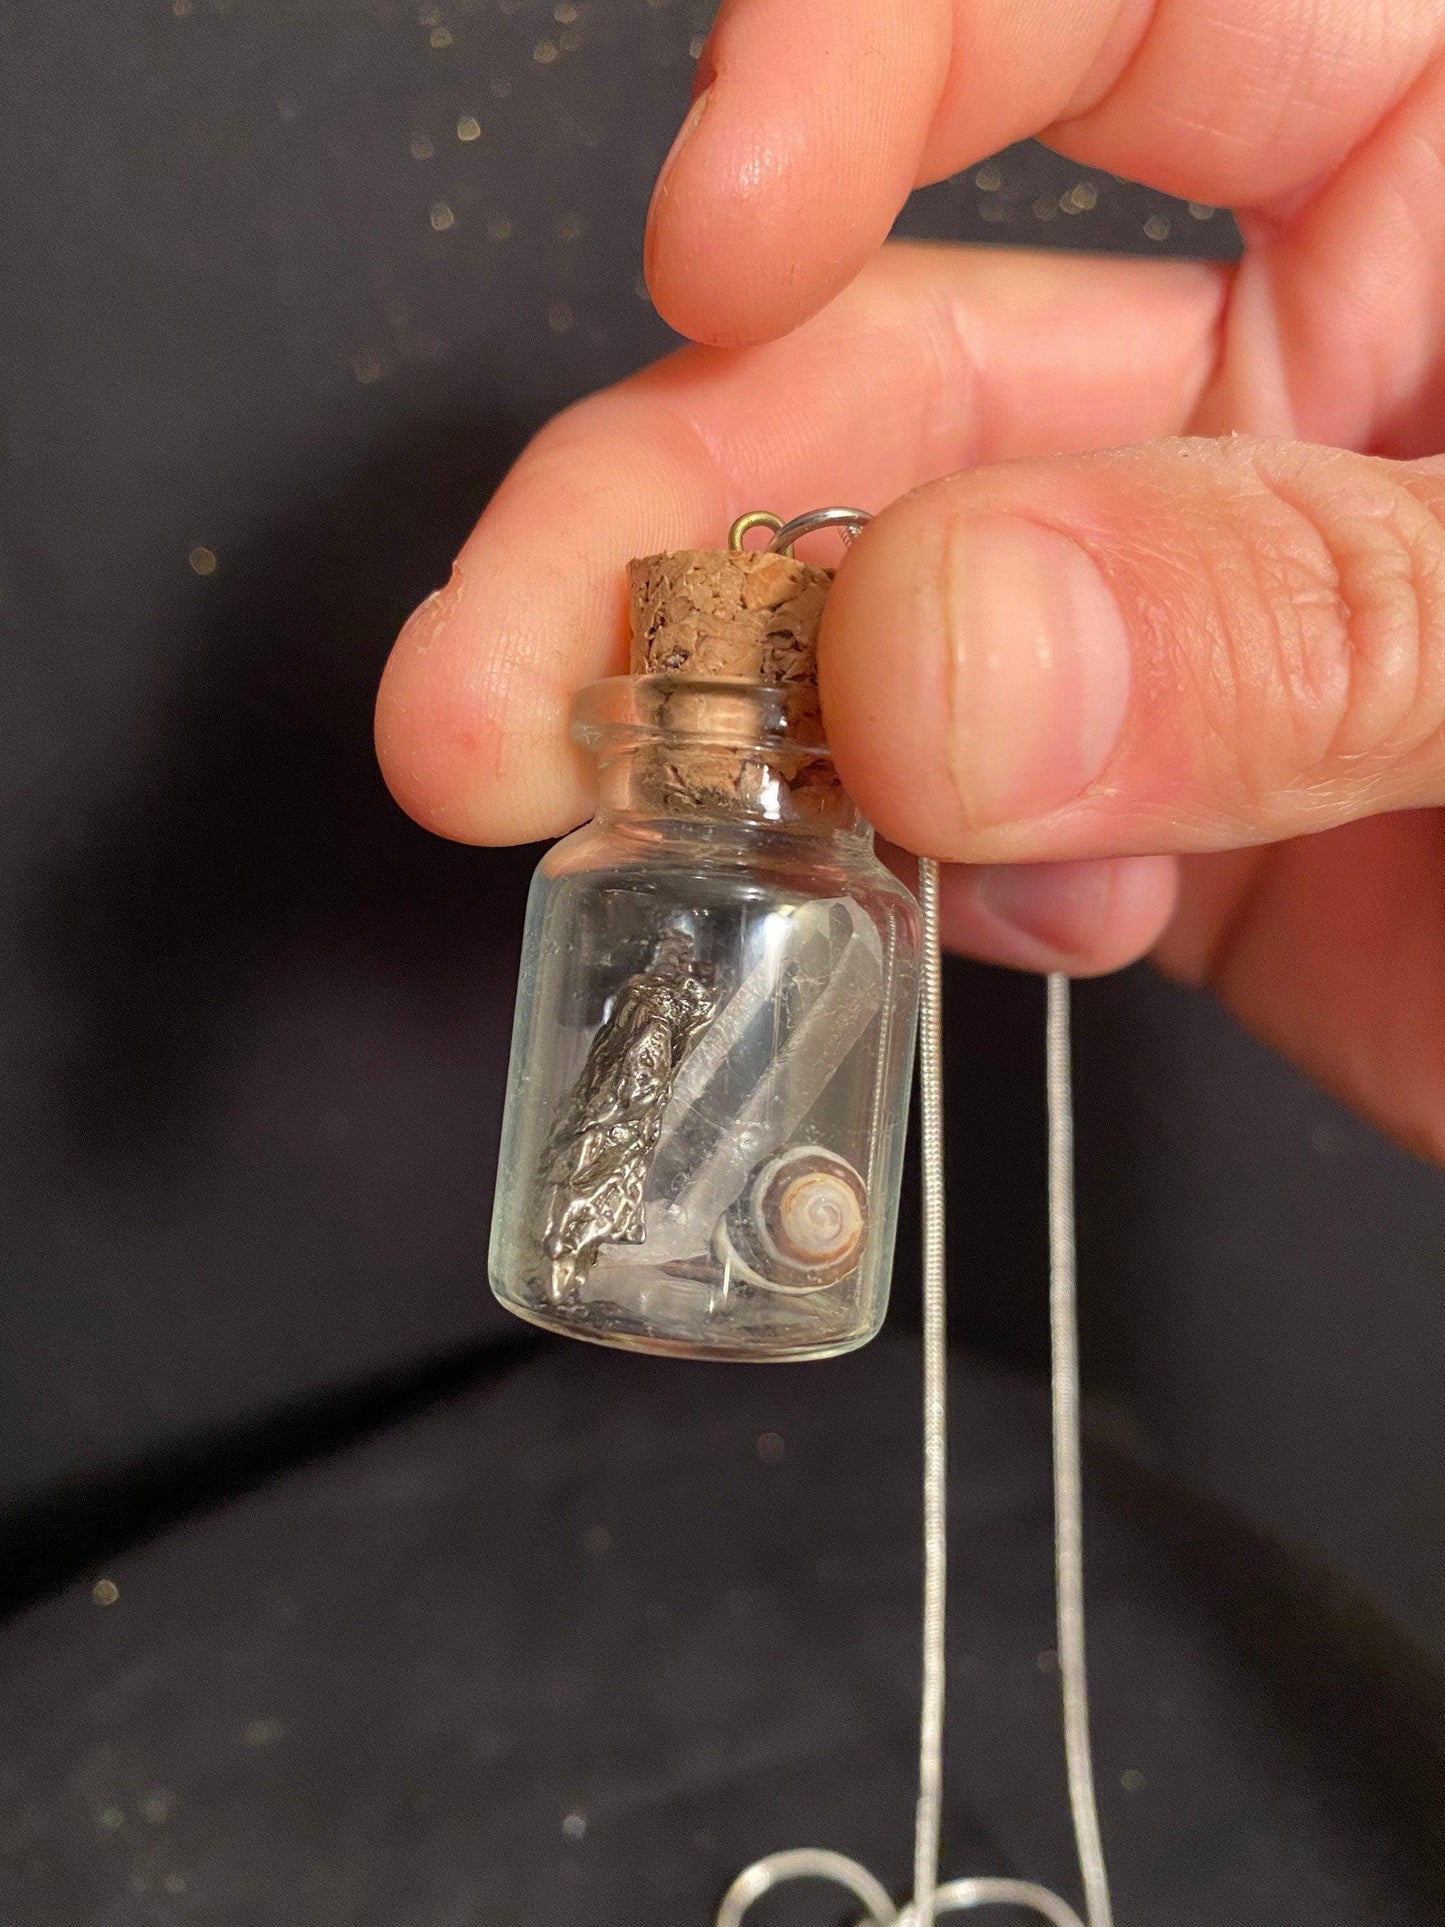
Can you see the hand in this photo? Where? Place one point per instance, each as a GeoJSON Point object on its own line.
{"type": "Point", "coordinates": [1186, 697]}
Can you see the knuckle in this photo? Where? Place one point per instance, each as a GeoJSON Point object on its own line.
{"type": "Point", "coordinates": [1337, 670]}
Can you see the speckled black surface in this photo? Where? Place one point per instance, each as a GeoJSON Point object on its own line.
{"type": "Point", "coordinates": [267, 309]}
{"type": "Point", "coordinates": [576, 1647]}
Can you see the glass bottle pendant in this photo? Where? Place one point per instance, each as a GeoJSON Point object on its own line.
{"type": "Point", "coordinates": [707, 1101]}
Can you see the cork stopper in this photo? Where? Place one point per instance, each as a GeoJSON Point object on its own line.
{"type": "Point", "coordinates": [733, 615]}
{"type": "Point", "coordinates": [718, 614]}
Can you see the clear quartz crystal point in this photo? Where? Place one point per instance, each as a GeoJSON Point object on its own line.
{"type": "Point", "coordinates": [713, 1041]}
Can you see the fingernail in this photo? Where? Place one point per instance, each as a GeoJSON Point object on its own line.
{"type": "Point", "coordinates": [1040, 668]}
{"type": "Point", "coordinates": [684, 135]}
{"type": "Point", "coordinates": [1059, 905]}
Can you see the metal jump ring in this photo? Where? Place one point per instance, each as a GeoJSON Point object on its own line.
{"type": "Point", "coordinates": [756, 519]}
{"type": "Point", "coordinates": [849, 522]}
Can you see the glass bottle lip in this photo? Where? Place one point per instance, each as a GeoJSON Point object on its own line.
{"type": "Point", "coordinates": [732, 711]}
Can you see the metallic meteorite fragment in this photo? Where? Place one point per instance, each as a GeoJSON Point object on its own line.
{"type": "Point", "coordinates": [595, 1166]}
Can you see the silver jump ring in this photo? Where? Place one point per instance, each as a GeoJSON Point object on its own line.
{"type": "Point", "coordinates": [848, 521]}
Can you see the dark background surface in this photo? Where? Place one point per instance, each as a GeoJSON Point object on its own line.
{"type": "Point", "coordinates": [272, 332]}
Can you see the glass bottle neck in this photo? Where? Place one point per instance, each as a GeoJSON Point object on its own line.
{"type": "Point", "coordinates": [721, 754]}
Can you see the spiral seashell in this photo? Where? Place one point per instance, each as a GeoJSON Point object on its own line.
{"type": "Point", "coordinates": [799, 1223]}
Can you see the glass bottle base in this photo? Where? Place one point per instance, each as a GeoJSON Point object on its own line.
{"type": "Point", "coordinates": [661, 1316]}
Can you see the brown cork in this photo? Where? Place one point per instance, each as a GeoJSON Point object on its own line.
{"type": "Point", "coordinates": [749, 616]}
{"type": "Point", "coordinates": [742, 613]}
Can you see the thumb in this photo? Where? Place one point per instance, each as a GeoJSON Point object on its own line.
{"type": "Point", "coordinates": [1187, 646]}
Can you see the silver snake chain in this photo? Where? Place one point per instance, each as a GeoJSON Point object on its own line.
{"type": "Point", "coordinates": [818, 1863]}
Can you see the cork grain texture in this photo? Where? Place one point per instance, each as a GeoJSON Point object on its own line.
{"type": "Point", "coordinates": [725, 613]}
{"type": "Point", "coordinates": [708, 615]}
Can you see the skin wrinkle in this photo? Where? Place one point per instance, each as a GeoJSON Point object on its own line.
{"type": "Point", "coordinates": [1302, 636]}
{"type": "Point", "coordinates": [1428, 563]}
{"type": "Point", "coordinates": [1150, 540]}
{"type": "Point", "coordinates": [1291, 711]}
{"type": "Point", "coordinates": [797, 444]}
{"type": "Point", "coordinates": [1244, 141]}
{"type": "Point", "coordinates": [1280, 99]}
{"type": "Point", "coordinates": [1323, 768]}
{"type": "Point", "coordinates": [1289, 208]}
{"type": "Point", "coordinates": [1289, 591]}
{"type": "Point", "coordinates": [956, 364]}
{"type": "Point", "coordinates": [1369, 674]}
{"type": "Point", "coordinates": [1269, 121]}
{"type": "Point", "coordinates": [1390, 618]}
{"type": "Point", "coordinates": [1211, 672]}
{"type": "Point", "coordinates": [1205, 131]}
{"type": "Point", "coordinates": [1216, 680]}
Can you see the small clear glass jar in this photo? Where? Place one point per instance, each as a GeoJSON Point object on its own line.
{"type": "Point", "coordinates": [713, 1042]}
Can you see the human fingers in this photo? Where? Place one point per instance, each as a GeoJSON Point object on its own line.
{"type": "Point", "coordinates": [1192, 645]}
{"type": "Point", "coordinates": [936, 357]}
{"type": "Point", "coordinates": [1084, 918]}
{"type": "Point", "coordinates": [815, 118]}
{"type": "Point", "coordinates": [1332, 949]}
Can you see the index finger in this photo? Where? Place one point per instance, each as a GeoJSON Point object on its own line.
{"type": "Point", "coordinates": [815, 119]}
{"type": "Point", "coordinates": [936, 358]}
